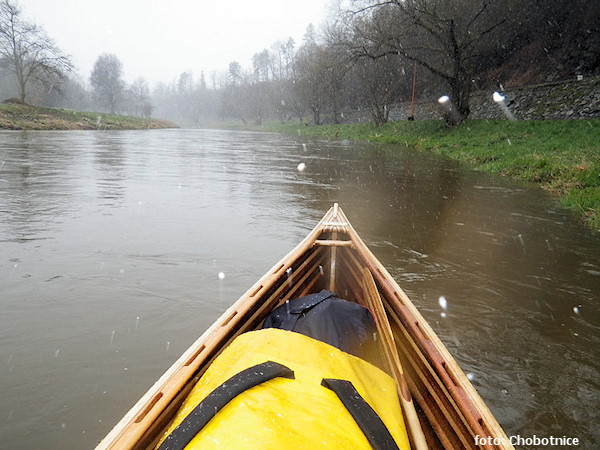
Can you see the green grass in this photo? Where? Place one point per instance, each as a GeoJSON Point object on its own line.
{"type": "Point", "coordinates": [25, 117]}
{"type": "Point", "coordinates": [560, 155]}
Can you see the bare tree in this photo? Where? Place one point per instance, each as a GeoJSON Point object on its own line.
{"type": "Point", "coordinates": [107, 85]}
{"type": "Point", "coordinates": [185, 83]}
{"type": "Point", "coordinates": [281, 56]}
{"type": "Point", "coordinates": [234, 98]}
{"type": "Point", "coordinates": [234, 75]}
{"type": "Point", "coordinates": [28, 53]}
{"type": "Point", "coordinates": [73, 94]}
{"type": "Point", "coordinates": [445, 36]}
{"type": "Point", "coordinates": [261, 63]}
{"type": "Point", "coordinates": [309, 78]}
{"type": "Point", "coordinates": [139, 93]}
{"type": "Point", "coordinates": [378, 84]}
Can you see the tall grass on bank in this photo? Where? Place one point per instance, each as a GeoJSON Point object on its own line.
{"type": "Point", "coordinates": [561, 155]}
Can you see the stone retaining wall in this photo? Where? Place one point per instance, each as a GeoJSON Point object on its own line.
{"type": "Point", "coordinates": [573, 99]}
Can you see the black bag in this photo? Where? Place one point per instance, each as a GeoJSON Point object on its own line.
{"type": "Point", "coordinates": [327, 318]}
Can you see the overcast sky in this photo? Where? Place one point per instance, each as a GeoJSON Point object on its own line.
{"type": "Point", "coordinates": [159, 39]}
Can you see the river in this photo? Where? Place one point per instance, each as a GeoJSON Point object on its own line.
{"type": "Point", "coordinates": [111, 246]}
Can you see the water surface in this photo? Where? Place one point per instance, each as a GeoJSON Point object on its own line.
{"type": "Point", "coordinates": [111, 244]}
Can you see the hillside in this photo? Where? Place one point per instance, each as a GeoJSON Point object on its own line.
{"type": "Point", "coordinates": [559, 41]}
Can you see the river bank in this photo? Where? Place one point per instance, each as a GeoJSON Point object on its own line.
{"type": "Point", "coordinates": [562, 156]}
{"type": "Point", "coordinates": [14, 116]}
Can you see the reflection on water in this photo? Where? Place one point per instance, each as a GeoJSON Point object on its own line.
{"type": "Point", "coordinates": [118, 249]}
{"type": "Point", "coordinates": [109, 160]}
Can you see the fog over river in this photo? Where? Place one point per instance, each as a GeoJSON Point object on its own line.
{"type": "Point", "coordinates": [111, 246]}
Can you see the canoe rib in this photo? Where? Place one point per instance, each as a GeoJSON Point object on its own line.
{"type": "Point", "coordinates": [331, 256]}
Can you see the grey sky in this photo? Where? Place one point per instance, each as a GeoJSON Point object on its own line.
{"type": "Point", "coordinates": [159, 39]}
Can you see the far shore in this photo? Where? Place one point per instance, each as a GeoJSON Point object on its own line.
{"type": "Point", "coordinates": [19, 116]}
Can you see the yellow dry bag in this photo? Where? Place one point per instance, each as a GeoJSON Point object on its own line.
{"type": "Point", "coordinates": [276, 389]}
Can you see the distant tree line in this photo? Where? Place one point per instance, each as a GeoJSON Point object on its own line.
{"type": "Point", "coordinates": [363, 58]}
{"type": "Point", "coordinates": [361, 61]}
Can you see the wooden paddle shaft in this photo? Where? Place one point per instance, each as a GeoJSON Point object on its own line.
{"type": "Point", "coordinates": [390, 351]}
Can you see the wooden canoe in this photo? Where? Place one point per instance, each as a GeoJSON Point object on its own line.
{"type": "Point", "coordinates": [333, 257]}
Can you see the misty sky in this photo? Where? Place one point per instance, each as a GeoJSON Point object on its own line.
{"type": "Point", "coordinates": [159, 39]}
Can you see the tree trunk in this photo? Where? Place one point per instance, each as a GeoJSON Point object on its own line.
{"type": "Point", "coordinates": [316, 116]}
{"type": "Point", "coordinates": [22, 85]}
{"type": "Point", "coordinates": [462, 95]}
{"type": "Point", "coordinates": [379, 114]}
{"type": "Point", "coordinates": [460, 84]}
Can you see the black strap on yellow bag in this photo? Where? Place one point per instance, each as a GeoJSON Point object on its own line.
{"type": "Point", "coordinates": [365, 417]}
{"type": "Point", "coordinates": [217, 399]}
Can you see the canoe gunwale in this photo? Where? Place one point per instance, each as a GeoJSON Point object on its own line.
{"type": "Point", "coordinates": [332, 254]}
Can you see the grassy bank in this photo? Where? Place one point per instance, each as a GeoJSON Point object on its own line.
{"type": "Point", "coordinates": [25, 117]}
{"type": "Point", "coordinates": [562, 155]}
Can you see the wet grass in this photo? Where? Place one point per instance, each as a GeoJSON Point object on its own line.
{"type": "Point", "coordinates": [26, 117]}
{"type": "Point", "coordinates": [560, 155]}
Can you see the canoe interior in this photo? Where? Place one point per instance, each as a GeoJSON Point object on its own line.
{"type": "Point", "coordinates": [331, 257]}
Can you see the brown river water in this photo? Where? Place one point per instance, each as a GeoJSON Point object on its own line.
{"type": "Point", "coordinates": [111, 245]}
